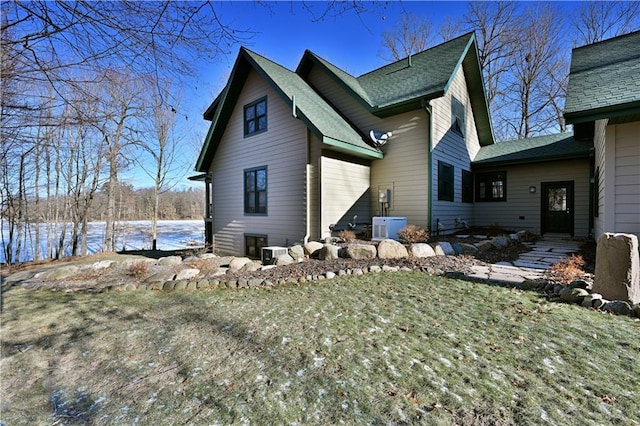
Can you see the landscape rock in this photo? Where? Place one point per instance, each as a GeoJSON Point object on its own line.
{"type": "Point", "coordinates": [619, 307]}
{"type": "Point", "coordinates": [103, 264]}
{"type": "Point", "coordinates": [618, 267]}
{"type": "Point", "coordinates": [468, 248]}
{"type": "Point", "coordinates": [312, 246]}
{"type": "Point", "coordinates": [444, 248]}
{"type": "Point", "coordinates": [330, 275]}
{"type": "Point", "coordinates": [329, 252]}
{"type": "Point", "coordinates": [500, 242]}
{"type": "Point", "coordinates": [60, 273]}
{"type": "Point", "coordinates": [484, 245]}
{"type": "Point", "coordinates": [284, 259]}
{"type": "Point", "coordinates": [391, 249]}
{"type": "Point", "coordinates": [573, 295]}
{"type": "Point", "coordinates": [238, 262]}
{"type": "Point", "coordinates": [296, 252]}
{"type": "Point", "coordinates": [251, 266]}
{"type": "Point", "coordinates": [375, 268]}
{"type": "Point", "coordinates": [360, 251]}
{"type": "Point", "coordinates": [160, 277]}
{"type": "Point", "coordinates": [187, 274]}
{"type": "Point", "coordinates": [422, 250]}
{"type": "Point", "coordinates": [170, 261]}
{"type": "Point", "coordinates": [579, 284]}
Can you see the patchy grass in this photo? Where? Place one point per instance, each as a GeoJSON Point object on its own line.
{"type": "Point", "coordinates": [385, 348]}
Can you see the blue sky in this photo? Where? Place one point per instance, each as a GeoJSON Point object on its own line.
{"type": "Point", "coordinates": [283, 30]}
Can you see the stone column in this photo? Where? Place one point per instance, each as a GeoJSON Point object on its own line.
{"type": "Point", "coordinates": [618, 268]}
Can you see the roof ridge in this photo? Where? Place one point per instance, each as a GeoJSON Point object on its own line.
{"type": "Point", "coordinates": [441, 45]}
{"type": "Point", "coordinates": [614, 38]}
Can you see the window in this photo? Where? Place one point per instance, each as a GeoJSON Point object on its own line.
{"type": "Point", "coordinates": [491, 186]}
{"type": "Point", "coordinates": [457, 116]}
{"type": "Point", "coordinates": [255, 190]}
{"type": "Point", "coordinates": [253, 245]}
{"type": "Point", "coordinates": [467, 187]}
{"type": "Point", "coordinates": [255, 117]}
{"type": "Point", "coordinates": [445, 181]}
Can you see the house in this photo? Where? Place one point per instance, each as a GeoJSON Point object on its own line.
{"type": "Point", "coordinates": [295, 155]}
{"type": "Point", "coordinates": [298, 155]}
{"type": "Point", "coordinates": [603, 104]}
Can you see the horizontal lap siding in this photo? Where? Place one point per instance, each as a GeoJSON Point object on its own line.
{"type": "Point", "coordinates": [453, 149]}
{"type": "Point", "coordinates": [345, 193]}
{"type": "Point", "coordinates": [600, 165]}
{"type": "Point", "coordinates": [627, 178]}
{"type": "Point", "coordinates": [521, 203]}
{"type": "Point", "coordinates": [282, 148]}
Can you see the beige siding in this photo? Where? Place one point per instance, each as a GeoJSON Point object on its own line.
{"type": "Point", "coordinates": [344, 193]}
{"type": "Point", "coordinates": [627, 178]}
{"type": "Point", "coordinates": [522, 209]}
{"type": "Point", "coordinates": [453, 149]}
{"type": "Point", "coordinates": [314, 187]}
{"type": "Point", "coordinates": [599, 222]}
{"type": "Point", "coordinates": [283, 149]}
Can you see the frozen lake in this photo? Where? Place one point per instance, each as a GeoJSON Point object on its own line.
{"type": "Point", "coordinates": [132, 235]}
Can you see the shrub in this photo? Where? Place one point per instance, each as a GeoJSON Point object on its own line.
{"type": "Point", "coordinates": [347, 235]}
{"type": "Point", "coordinates": [413, 234]}
{"type": "Point", "coordinates": [568, 270]}
{"type": "Point", "coordinates": [138, 269]}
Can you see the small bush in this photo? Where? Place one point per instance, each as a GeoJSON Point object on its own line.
{"type": "Point", "coordinates": [411, 234]}
{"type": "Point", "coordinates": [138, 269]}
{"type": "Point", "coordinates": [347, 235]}
{"type": "Point", "coordinates": [568, 270]}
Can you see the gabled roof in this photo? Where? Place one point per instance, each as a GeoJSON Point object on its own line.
{"type": "Point", "coordinates": [307, 105]}
{"type": "Point", "coordinates": [560, 146]}
{"type": "Point", "coordinates": [604, 81]}
{"type": "Point", "coordinates": [404, 85]}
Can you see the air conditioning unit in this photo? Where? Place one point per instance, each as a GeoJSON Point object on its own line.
{"type": "Point", "coordinates": [270, 254]}
{"type": "Point", "coordinates": [387, 227]}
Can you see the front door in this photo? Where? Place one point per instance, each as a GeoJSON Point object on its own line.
{"type": "Point", "coordinates": [557, 207]}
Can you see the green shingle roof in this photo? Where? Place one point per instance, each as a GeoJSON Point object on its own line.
{"type": "Point", "coordinates": [316, 113]}
{"type": "Point", "coordinates": [560, 146]}
{"type": "Point", "coordinates": [405, 84]}
{"type": "Point", "coordinates": [604, 80]}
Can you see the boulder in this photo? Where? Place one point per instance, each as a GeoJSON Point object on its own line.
{"type": "Point", "coordinates": [329, 252]}
{"type": "Point", "coordinates": [444, 248]}
{"type": "Point", "coordinates": [360, 251]}
{"type": "Point", "coordinates": [160, 277]}
{"type": "Point", "coordinates": [468, 248]}
{"type": "Point", "coordinates": [618, 307]}
{"type": "Point", "coordinates": [484, 246]}
{"type": "Point", "coordinates": [422, 250]}
{"type": "Point", "coordinates": [312, 246]}
{"type": "Point", "coordinates": [187, 274]}
{"type": "Point", "coordinates": [618, 267]}
{"type": "Point", "coordinates": [500, 242]}
{"type": "Point", "coordinates": [103, 264]}
{"type": "Point", "coordinates": [60, 273]}
{"type": "Point", "coordinates": [251, 266]}
{"type": "Point", "coordinates": [296, 252]}
{"type": "Point", "coordinates": [238, 262]}
{"type": "Point", "coordinates": [391, 249]}
{"type": "Point", "coordinates": [284, 259]}
{"type": "Point", "coordinates": [170, 261]}
{"type": "Point", "coordinates": [573, 295]}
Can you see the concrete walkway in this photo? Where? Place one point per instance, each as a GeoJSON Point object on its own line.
{"type": "Point", "coordinates": [531, 265]}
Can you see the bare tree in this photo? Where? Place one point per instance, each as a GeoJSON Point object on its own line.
{"type": "Point", "coordinates": [599, 20]}
{"type": "Point", "coordinates": [410, 35]}
{"type": "Point", "coordinates": [537, 68]}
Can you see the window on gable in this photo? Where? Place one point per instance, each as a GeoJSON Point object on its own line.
{"type": "Point", "coordinates": [255, 117]}
{"type": "Point", "coordinates": [457, 116]}
{"type": "Point", "coordinates": [253, 245]}
{"type": "Point", "coordinates": [491, 186]}
{"type": "Point", "coordinates": [255, 190]}
{"type": "Point", "coordinates": [445, 181]}
{"type": "Point", "coordinates": [467, 186]}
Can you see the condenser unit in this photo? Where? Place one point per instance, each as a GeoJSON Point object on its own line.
{"type": "Point", "coordinates": [270, 254]}
{"type": "Point", "coordinates": [387, 227]}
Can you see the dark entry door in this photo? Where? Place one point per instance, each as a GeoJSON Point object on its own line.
{"type": "Point", "coordinates": [557, 207]}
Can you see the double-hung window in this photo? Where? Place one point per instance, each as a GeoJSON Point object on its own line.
{"type": "Point", "coordinates": [255, 190]}
{"type": "Point", "coordinates": [445, 181]}
{"type": "Point", "coordinates": [255, 117]}
{"type": "Point", "coordinates": [457, 116]}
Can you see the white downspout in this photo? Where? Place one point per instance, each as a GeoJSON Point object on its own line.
{"type": "Point", "coordinates": [307, 173]}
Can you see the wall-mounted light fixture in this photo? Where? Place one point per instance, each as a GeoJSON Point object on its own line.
{"type": "Point", "coordinates": [532, 189]}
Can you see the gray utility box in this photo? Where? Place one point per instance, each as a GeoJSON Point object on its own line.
{"type": "Point", "coordinates": [270, 254]}
{"type": "Point", "coordinates": [387, 227]}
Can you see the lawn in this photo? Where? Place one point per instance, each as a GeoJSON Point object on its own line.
{"type": "Point", "coordinates": [390, 348]}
